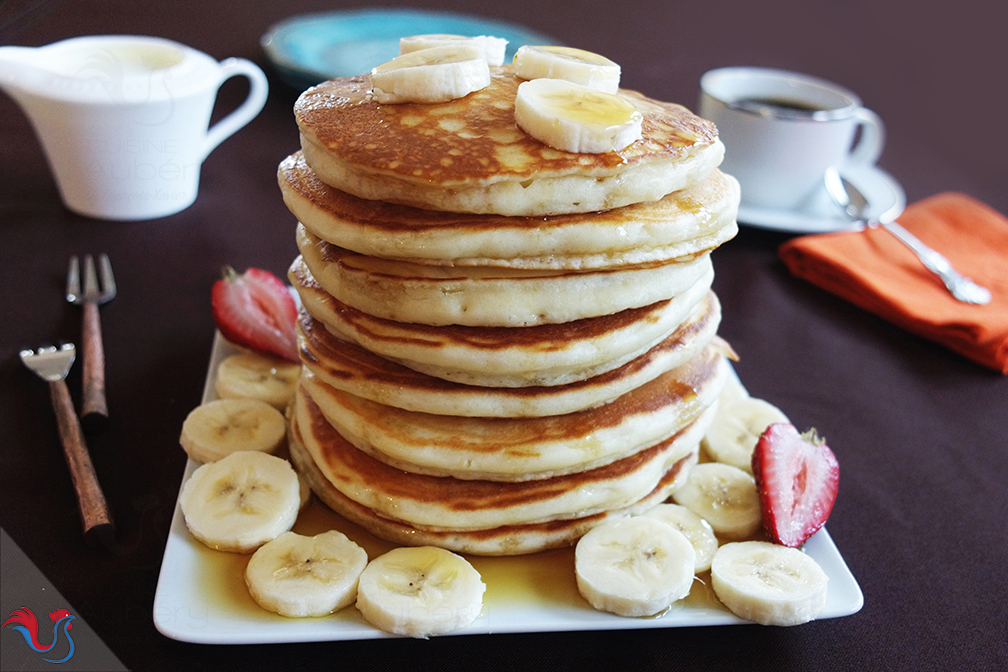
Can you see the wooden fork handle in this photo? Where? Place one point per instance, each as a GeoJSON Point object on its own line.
{"type": "Point", "coordinates": [94, 409]}
{"type": "Point", "coordinates": [94, 511]}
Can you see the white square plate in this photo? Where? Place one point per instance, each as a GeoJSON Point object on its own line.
{"type": "Point", "coordinates": [201, 595]}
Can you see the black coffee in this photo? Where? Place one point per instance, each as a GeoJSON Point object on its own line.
{"type": "Point", "coordinates": [785, 105]}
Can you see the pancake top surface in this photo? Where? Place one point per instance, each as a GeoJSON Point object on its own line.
{"type": "Point", "coordinates": [474, 139]}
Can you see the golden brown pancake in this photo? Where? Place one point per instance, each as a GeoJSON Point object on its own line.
{"type": "Point", "coordinates": [485, 296]}
{"type": "Point", "coordinates": [683, 224]}
{"type": "Point", "coordinates": [520, 449]}
{"type": "Point", "coordinates": [349, 367]}
{"type": "Point", "coordinates": [499, 541]}
{"type": "Point", "coordinates": [446, 503]}
{"type": "Point", "coordinates": [467, 155]}
{"type": "Point", "coordinates": [547, 354]}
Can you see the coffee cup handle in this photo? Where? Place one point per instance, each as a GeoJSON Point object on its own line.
{"type": "Point", "coordinates": [254, 102]}
{"type": "Point", "coordinates": [869, 147]}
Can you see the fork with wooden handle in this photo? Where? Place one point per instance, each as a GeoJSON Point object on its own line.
{"type": "Point", "coordinates": [94, 408]}
{"type": "Point", "coordinates": [52, 364]}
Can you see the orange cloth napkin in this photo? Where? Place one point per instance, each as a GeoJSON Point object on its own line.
{"type": "Point", "coordinates": [877, 272]}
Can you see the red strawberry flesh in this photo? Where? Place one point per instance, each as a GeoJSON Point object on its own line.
{"type": "Point", "coordinates": [797, 476]}
{"type": "Point", "coordinates": [256, 310]}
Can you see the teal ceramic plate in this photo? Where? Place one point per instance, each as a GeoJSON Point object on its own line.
{"type": "Point", "coordinates": [312, 48]}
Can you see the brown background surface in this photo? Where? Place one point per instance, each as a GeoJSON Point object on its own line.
{"type": "Point", "coordinates": [919, 431]}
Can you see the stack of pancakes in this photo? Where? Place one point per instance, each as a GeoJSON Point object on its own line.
{"type": "Point", "coordinates": [504, 344]}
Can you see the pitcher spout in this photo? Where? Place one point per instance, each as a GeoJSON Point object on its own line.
{"type": "Point", "coordinates": [17, 72]}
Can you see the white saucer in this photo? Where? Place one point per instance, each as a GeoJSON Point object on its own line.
{"type": "Point", "coordinates": [886, 201]}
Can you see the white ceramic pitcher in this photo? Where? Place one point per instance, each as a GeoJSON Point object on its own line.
{"type": "Point", "coordinates": [124, 119]}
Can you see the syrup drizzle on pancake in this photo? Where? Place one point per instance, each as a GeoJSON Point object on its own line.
{"type": "Point", "coordinates": [473, 139]}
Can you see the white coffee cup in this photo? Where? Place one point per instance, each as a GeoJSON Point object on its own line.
{"type": "Point", "coordinates": [782, 130]}
{"type": "Point", "coordinates": [124, 120]}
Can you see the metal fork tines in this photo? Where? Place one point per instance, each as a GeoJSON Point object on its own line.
{"type": "Point", "coordinates": [52, 365]}
{"type": "Point", "coordinates": [94, 409]}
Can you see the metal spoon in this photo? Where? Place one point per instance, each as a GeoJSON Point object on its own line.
{"type": "Point", "coordinates": [854, 203]}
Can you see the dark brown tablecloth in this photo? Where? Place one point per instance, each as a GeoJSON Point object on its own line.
{"type": "Point", "coordinates": [919, 431]}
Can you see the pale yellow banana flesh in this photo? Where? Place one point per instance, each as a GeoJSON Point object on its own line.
{"type": "Point", "coordinates": [574, 118]}
{"type": "Point", "coordinates": [724, 496]}
{"type": "Point", "coordinates": [573, 65]}
{"type": "Point", "coordinates": [241, 501]}
{"type": "Point", "coordinates": [420, 591]}
{"type": "Point", "coordinates": [432, 75]}
{"type": "Point", "coordinates": [218, 428]}
{"type": "Point", "coordinates": [492, 48]}
{"type": "Point", "coordinates": [697, 530]}
{"type": "Point", "coordinates": [298, 576]}
{"type": "Point", "coordinates": [768, 583]}
{"type": "Point", "coordinates": [635, 566]}
{"type": "Point", "coordinates": [251, 375]}
{"type": "Point", "coordinates": [737, 427]}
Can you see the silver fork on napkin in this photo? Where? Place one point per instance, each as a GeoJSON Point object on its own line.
{"type": "Point", "coordinates": [52, 364]}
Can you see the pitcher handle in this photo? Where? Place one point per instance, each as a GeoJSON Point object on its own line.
{"type": "Point", "coordinates": [254, 102]}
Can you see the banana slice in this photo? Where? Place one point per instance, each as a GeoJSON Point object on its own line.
{"type": "Point", "coordinates": [297, 576]}
{"type": "Point", "coordinates": [634, 566]}
{"type": "Point", "coordinates": [251, 375]}
{"type": "Point", "coordinates": [218, 428]}
{"type": "Point", "coordinates": [733, 390]}
{"type": "Point", "coordinates": [420, 591]}
{"type": "Point", "coordinates": [574, 65]}
{"type": "Point", "coordinates": [241, 501]}
{"type": "Point", "coordinates": [492, 48]}
{"type": "Point", "coordinates": [724, 496]}
{"type": "Point", "coordinates": [432, 75]}
{"type": "Point", "coordinates": [575, 118]}
{"type": "Point", "coordinates": [737, 426]}
{"type": "Point", "coordinates": [697, 530]}
{"type": "Point", "coordinates": [768, 583]}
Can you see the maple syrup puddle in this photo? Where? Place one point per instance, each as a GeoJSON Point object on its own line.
{"type": "Point", "coordinates": [539, 580]}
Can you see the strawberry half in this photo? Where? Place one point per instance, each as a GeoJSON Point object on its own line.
{"type": "Point", "coordinates": [797, 476]}
{"type": "Point", "coordinates": [255, 310]}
